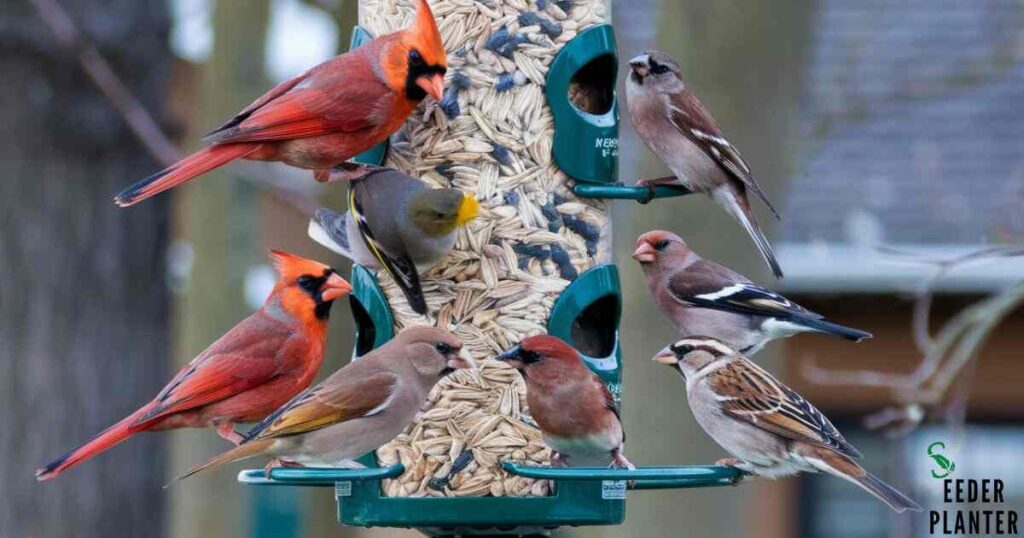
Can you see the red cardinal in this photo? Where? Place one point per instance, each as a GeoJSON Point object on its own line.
{"type": "Point", "coordinates": [256, 367]}
{"type": "Point", "coordinates": [326, 115]}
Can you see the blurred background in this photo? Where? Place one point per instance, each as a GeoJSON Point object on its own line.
{"type": "Point", "coordinates": [888, 132]}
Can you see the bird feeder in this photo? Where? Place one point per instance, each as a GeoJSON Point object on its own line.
{"type": "Point", "coordinates": [528, 123]}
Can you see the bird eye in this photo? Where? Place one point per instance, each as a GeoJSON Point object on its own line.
{"type": "Point", "coordinates": [682, 349]}
{"type": "Point", "coordinates": [306, 282]}
{"type": "Point", "coordinates": [660, 245]}
{"type": "Point", "coordinates": [443, 348]}
{"type": "Point", "coordinates": [529, 355]}
{"type": "Point", "coordinates": [414, 57]}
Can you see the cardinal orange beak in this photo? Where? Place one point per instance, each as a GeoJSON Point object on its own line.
{"type": "Point", "coordinates": [335, 288]}
{"type": "Point", "coordinates": [645, 253]}
{"type": "Point", "coordinates": [433, 85]}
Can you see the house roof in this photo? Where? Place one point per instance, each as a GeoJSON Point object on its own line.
{"type": "Point", "coordinates": [912, 132]}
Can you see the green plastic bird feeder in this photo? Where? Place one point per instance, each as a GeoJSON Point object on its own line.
{"type": "Point", "coordinates": [489, 74]}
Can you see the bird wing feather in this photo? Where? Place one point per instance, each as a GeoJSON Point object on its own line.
{"type": "Point", "coordinates": [750, 394]}
{"type": "Point", "coordinates": [708, 285]}
{"type": "Point", "coordinates": [317, 102]}
{"type": "Point", "coordinates": [330, 403]}
{"type": "Point", "coordinates": [245, 357]}
{"type": "Point", "coordinates": [396, 262]}
{"type": "Point", "coordinates": [692, 120]}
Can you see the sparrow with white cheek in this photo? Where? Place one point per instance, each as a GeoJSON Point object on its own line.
{"type": "Point", "coordinates": [681, 132]}
{"type": "Point", "coordinates": [769, 429]}
{"type": "Point", "coordinates": [395, 222]}
{"type": "Point", "coordinates": [701, 297]}
{"type": "Point", "coordinates": [577, 415]}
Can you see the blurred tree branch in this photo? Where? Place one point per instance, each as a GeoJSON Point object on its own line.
{"type": "Point", "coordinates": [141, 122]}
{"type": "Point", "coordinates": [940, 383]}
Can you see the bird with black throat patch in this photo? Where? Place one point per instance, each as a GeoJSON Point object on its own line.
{"type": "Point", "coordinates": [677, 128]}
{"type": "Point", "coordinates": [253, 369]}
{"type": "Point", "coordinates": [398, 223]}
{"type": "Point", "coordinates": [325, 116]}
{"type": "Point", "coordinates": [577, 415]}
{"type": "Point", "coordinates": [701, 297]}
{"type": "Point", "coordinates": [768, 428]}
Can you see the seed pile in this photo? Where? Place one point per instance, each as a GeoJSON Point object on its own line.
{"type": "Point", "coordinates": [492, 135]}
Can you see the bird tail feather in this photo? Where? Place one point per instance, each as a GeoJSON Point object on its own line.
{"type": "Point", "coordinates": [102, 442]}
{"type": "Point", "coordinates": [188, 168]}
{"type": "Point", "coordinates": [331, 230]}
{"type": "Point", "coordinates": [746, 219]}
{"type": "Point", "coordinates": [835, 329]}
{"type": "Point", "coordinates": [244, 451]}
{"type": "Point", "coordinates": [887, 494]}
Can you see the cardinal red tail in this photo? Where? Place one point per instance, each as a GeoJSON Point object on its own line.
{"type": "Point", "coordinates": [192, 166]}
{"type": "Point", "coordinates": [109, 438]}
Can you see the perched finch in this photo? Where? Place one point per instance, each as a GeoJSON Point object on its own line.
{"type": "Point", "coordinates": [701, 297]}
{"type": "Point", "coordinates": [769, 429]}
{"type": "Point", "coordinates": [253, 369]}
{"type": "Point", "coordinates": [326, 115]}
{"type": "Point", "coordinates": [396, 222]}
{"type": "Point", "coordinates": [577, 415]}
{"type": "Point", "coordinates": [682, 133]}
{"type": "Point", "coordinates": [358, 408]}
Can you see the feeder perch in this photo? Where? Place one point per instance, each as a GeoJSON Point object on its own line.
{"type": "Point", "coordinates": [530, 125]}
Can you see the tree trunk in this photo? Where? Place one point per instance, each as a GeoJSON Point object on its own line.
{"type": "Point", "coordinates": [83, 303]}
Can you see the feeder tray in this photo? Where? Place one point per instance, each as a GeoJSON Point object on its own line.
{"type": "Point", "coordinates": [581, 496]}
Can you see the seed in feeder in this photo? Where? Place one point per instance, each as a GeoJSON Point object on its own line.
{"type": "Point", "coordinates": [532, 251]}
{"type": "Point", "coordinates": [542, 5]}
{"type": "Point", "coordinates": [460, 81]}
{"type": "Point", "coordinates": [450, 103]}
{"type": "Point", "coordinates": [553, 216]}
{"type": "Point", "coordinates": [550, 28]}
{"type": "Point", "coordinates": [505, 82]}
{"type": "Point", "coordinates": [497, 40]}
{"type": "Point", "coordinates": [445, 169]}
{"type": "Point", "coordinates": [511, 198]}
{"type": "Point", "coordinates": [564, 5]}
{"type": "Point", "coordinates": [584, 229]}
{"type": "Point", "coordinates": [501, 154]}
{"type": "Point", "coordinates": [460, 463]}
{"type": "Point", "coordinates": [561, 258]}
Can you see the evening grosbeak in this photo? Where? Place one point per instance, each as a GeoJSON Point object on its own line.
{"type": "Point", "coordinates": [326, 115]}
{"type": "Point", "coordinates": [256, 367]}
{"type": "Point", "coordinates": [769, 429]}
{"type": "Point", "coordinates": [357, 409]}
{"type": "Point", "coordinates": [576, 413]}
{"type": "Point", "coordinates": [398, 223]}
{"type": "Point", "coordinates": [701, 297]}
{"type": "Point", "coordinates": [681, 132]}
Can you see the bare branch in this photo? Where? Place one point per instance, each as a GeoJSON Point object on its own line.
{"type": "Point", "coordinates": [139, 120]}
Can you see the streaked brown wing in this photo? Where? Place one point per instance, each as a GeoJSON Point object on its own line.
{"type": "Point", "coordinates": [749, 393]}
{"type": "Point", "coordinates": [694, 121]}
{"type": "Point", "coordinates": [333, 401]}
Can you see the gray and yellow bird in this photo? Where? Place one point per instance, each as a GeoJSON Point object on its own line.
{"type": "Point", "coordinates": [398, 223]}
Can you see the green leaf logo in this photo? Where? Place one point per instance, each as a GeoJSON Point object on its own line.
{"type": "Point", "coordinates": [946, 466]}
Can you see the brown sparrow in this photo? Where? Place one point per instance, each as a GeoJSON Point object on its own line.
{"type": "Point", "coordinates": [681, 132]}
{"type": "Point", "coordinates": [769, 429]}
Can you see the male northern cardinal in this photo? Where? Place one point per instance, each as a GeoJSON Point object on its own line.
{"type": "Point", "coordinates": [253, 369]}
{"type": "Point", "coordinates": [701, 297]}
{"type": "Point", "coordinates": [681, 132]}
{"type": "Point", "coordinates": [396, 222]}
{"type": "Point", "coordinates": [769, 429]}
{"type": "Point", "coordinates": [576, 413]}
{"type": "Point", "coordinates": [358, 408]}
{"type": "Point", "coordinates": [326, 115]}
